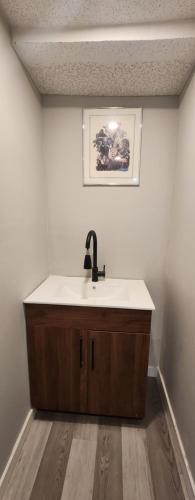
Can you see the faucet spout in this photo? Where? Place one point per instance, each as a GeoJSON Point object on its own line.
{"type": "Point", "coordinates": [95, 272]}
{"type": "Point", "coordinates": [92, 234]}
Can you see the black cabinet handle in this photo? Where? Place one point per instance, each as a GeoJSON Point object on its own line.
{"type": "Point", "coordinates": [92, 354]}
{"type": "Point", "coordinates": [81, 352]}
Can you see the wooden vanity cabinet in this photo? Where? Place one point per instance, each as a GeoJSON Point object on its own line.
{"type": "Point", "coordinates": [88, 360]}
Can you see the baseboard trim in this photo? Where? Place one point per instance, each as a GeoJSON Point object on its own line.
{"type": "Point", "coordinates": [16, 445]}
{"type": "Point", "coordinates": [152, 371]}
{"type": "Point", "coordinates": [185, 473]}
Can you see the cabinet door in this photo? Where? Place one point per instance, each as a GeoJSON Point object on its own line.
{"type": "Point", "coordinates": [57, 368]}
{"type": "Point", "coordinates": [117, 375]}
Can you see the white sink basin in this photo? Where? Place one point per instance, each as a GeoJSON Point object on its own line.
{"type": "Point", "coordinates": [83, 290]}
{"type": "Point", "coordinates": [122, 293]}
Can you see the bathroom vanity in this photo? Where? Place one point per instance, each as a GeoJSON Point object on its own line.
{"type": "Point", "coordinates": [88, 345]}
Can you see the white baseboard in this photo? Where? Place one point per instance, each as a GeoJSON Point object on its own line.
{"type": "Point", "coordinates": [185, 473]}
{"type": "Point", "coordinates": [152, 371]}
{"type": "Point", "coordinates": [17, 443]}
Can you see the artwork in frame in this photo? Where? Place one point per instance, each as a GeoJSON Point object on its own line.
{"type": "Point", "coordinates": [111, 146]}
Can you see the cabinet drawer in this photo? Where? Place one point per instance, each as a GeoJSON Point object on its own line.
{"type": "Point", "coordinates": [94, 318]}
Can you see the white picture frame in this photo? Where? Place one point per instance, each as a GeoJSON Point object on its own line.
{"type": "Point", "coordinates": [112, 146]}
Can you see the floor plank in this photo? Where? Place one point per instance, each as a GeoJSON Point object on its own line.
{"type": "Point", "coordinates": [108, 469]}
{"type": "Point", "coordinates": [50, 478]}
{"type": "Point", "coordinates": [137, 482]}
{"type": "Point", "coordinates": [85, 427]}
{"type": "Point", "coordinates": [19, 481]}
{"type": "Point", "coordinates": [78, 483]}
{"type": "Point", "coordinates": [165, 477]}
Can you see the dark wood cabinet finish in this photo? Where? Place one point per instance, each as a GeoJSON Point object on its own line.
{"type": "Point", "coordinates": [90, 360]}
{"type": "Point", "coordinates": [118, 368]}
{"type": "Point", "coordinates": [94, 318]}
{"type": "Point", "coordinates": [57, 368]}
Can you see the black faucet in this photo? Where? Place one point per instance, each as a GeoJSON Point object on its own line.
{"type": "Point", "coordinates": [87, 262]}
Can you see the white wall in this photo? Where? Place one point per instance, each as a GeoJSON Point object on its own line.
{"type": "Point", "coordinates": [131, 223]}
{"type": "Point", "coordinates": [178, 349]}
{"type": "Point", "coordinates": [23, 251]}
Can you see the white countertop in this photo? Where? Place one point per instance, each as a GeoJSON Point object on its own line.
{"type": "Point", "coordinates": [76, 291]}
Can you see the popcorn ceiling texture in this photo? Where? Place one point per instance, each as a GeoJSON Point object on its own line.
{"type": "Point", "coordinates": [109, 68]}
{"type": "Point", "coordinates": [59, 13]}
{"type": "Point", "coordinates": [102, 68]}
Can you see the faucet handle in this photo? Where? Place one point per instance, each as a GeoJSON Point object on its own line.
{"type": "Point", "coordinates": [102, 273]}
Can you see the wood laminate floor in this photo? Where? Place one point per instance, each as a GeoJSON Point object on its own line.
{"type": "Point", "coordinates": [69, 457]}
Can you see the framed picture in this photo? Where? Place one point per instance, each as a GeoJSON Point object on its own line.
{"type": "Point", "coordinates": [111, 146]}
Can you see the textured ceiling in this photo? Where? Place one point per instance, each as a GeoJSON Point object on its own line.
{"type": "Point", "coordinates": [104, 47]}
{"type": "Point", "coordinates": [158, 67]}
{"type": "Point", "coordinates": [69, 13]}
